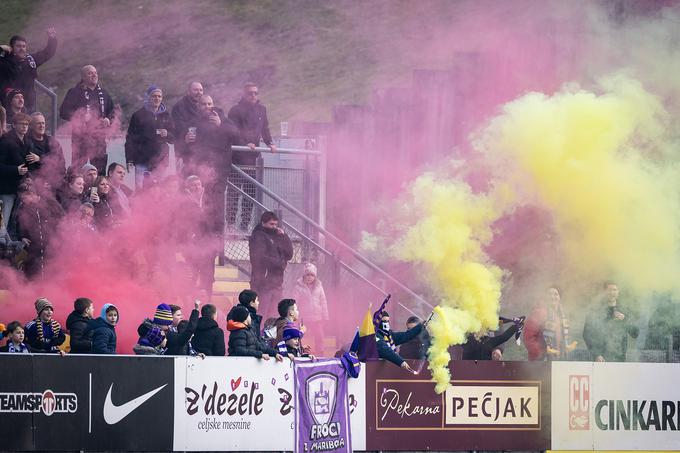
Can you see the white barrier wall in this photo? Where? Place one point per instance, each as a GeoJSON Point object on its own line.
{"type": "Point", "coordinates": [615, 406]}
{"type": "Point", "coordinates": [243, 404]}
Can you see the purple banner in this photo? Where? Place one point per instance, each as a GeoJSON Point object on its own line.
{"type": "Point", "coordinates": [322, 411]}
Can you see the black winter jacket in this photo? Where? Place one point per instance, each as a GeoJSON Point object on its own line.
{"type": "Point", "coordinates": [21, 74]}
{"type": "Point", "coordinates": [244, 343]}
{"type": "Point", "coordinates": [142, 144]}
{"type": "Point", "coordinates": [208, 338]}
{"type": "Point", "coordinates": [252, 123]}
{"type": "Point", "coordinates": [52, 165]}
{"type": "Point", "coordinates": [178, 341]}
{"type": "Point", "coordinates": [13, 153]}
{"type": "Point", "coordinates": [81, 338]}
{"type": "Point", "coordinates": [213, 143]}
{"type": "Point", "coordinates": [481, 349]}
{"type": "Point", "coordinates": [79, 97]}
{"type": "Point", "coordinates": [185, 114]}
{"type": "Point", "coordinates": [269, 256]}
{"type": "Point", "coordinates": [103, 337]}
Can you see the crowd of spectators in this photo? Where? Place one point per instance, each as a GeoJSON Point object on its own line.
{"type": "Point", "coordinates": [38, 192]}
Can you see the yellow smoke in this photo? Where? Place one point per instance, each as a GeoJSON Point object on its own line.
{"type": "Point", "coordinates": [599, 164]}
{"type": "Point", "coordinates": [442, 227]}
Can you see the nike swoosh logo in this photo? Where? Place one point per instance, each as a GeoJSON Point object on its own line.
{"type": "Point", "coordinates": [113, 414]}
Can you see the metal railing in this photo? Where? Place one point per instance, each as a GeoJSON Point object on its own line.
{"type": "Point", "coordinates": [311, 237]}
{"type": "Point", "coordinates": [53, 117]}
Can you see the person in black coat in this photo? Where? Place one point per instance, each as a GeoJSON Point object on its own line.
{"type": "Point", "coordinates": [185, 115]}
{"type": "Point", "coordinates": [210, 156]}
{"type": "Point", "coordinates": [90, 111]}
{"type": "Point", "coordinates": [51, 163]}
{"type": "Point", "coordinates": [270, 250]}
{"type": "Point", "coordinates": [248, 298]}
{"type": "Point", "coordinates": [178, 341]}
{"type": "Point", "coordinates": [37, 221]}
{"type": "Point", "coordinates": [19, 69]}
{"type": "Point", "coordinates": [103, 330]}
{"type": "Point", "coordinates": [243, 342]}
{"type": "Point", "coordinates": [250, 117]}
{"type": "Point", "coordinates": [104, 216]}
{"type": "Point", "coordinates": [77, 325]}
{"type": "Point", "coordinates": [148, 135]}
{"type": "Point", "coordinates": [487, 347]}
{"type": "Point", "coordinates": [415, 349]}
{"type": "Point", "coordinates": [209, 338]}
{"type": "Point", "coordinates": [15, 154]}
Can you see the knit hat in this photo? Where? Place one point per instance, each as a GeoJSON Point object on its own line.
{"type": "Point", "coordinates": [309, 269]}
{"type": "Point", "coordinates": [290, 332]}
{"type": "Point", "coordinates": [151, 89]}
{"type": "Point", "coordinates": [42, 304]}
{"type": "Point", "coordinates": [240, 313]}
{"type": "Point", "coordinates": [163, 316]}
{"type": "Point", "coordinates": [87, 167]}
{"type": "Point", "coordinates": [9, 95]}
{"type": "Point", "coordinates": [153, 337]}
{"type": "Point", "coordinates": [247, 296]}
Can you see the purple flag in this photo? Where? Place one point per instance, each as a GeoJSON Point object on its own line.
{"type": "Point", "coordinates": [322, 410]}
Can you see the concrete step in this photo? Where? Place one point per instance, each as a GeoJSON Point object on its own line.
{"type": "Point", "coordinates": [226, 273]}
{"type": "Point", "coordinates": [233, 287]}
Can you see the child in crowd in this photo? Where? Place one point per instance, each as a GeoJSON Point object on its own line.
{"type": "Point", "coordinates": [290, 343]}
{"type": "Point", "coordinates": [152, 343]}
{"type": "Point", "coordinates": [150, 340]}
{"type": "Point", "coordinates": [77, 324]}
{"type": "Point", "coordinates": [104, 330]}
{"type": "Point", "coordinates": [44, 334]}
{"type": "Point", "coordinates": [242, 340]}
{"type": "Point", "coordinates": [15, 343]}
{"type": "Point", "coordinates": [310, 296]}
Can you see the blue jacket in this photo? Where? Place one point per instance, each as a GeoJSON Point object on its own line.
{"type": "Point", "coordinates": [103, 333]}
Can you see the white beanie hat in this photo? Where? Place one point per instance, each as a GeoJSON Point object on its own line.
{"type": "Point", "coordinates": [310, 269]}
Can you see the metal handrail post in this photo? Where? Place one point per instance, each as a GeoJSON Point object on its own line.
{"type": "Point", "coordinates": [353, 252]}
{"type": "Point", "coordinates": [53, 97]}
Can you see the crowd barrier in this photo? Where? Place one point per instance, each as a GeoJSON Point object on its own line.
{"type": "Point", "coordinates": [130, 403]}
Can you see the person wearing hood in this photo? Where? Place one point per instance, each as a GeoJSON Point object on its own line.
{"type": "Point", "coordinates": [243, 342]}
{"type": "Point", "coordinates": [77, 324]}
{"type": "Point", "coordinates": [44, 333]}
{"type": "Point", "coordinates": [148, 135]}
{"type": "Point", "coordinates": [90, 111]}
{"type": "Point", "coordinates": [103, 330]}
{"type": "Point", "coordinates": [209, 338]}
{"type": "Point", "coordinates": [270, 250]}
